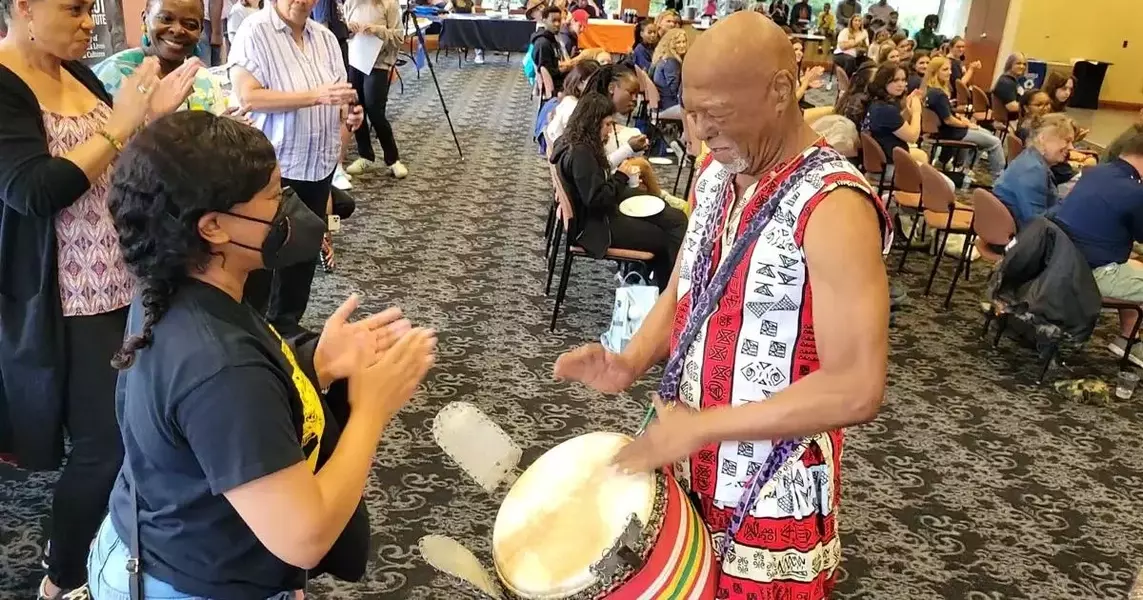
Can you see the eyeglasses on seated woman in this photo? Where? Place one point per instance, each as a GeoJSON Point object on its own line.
{"type": "Point", "coordinates": [245, 455]}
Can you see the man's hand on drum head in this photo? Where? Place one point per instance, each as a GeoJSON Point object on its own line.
{"type": "Point", "coordinates": [596, 368]}
{"type": "Point", "coordinates": [674, 434]}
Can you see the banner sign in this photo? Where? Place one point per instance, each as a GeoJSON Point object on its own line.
{"type": "Point", "coordinates": [107, 38]}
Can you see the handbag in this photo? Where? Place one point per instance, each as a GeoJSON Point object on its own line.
{"type": "Point", "coordinates": [633, 302]}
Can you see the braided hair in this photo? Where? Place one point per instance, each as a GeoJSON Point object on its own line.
{"type": "Point", "coordinates": [601, 80]}
{"type": "Point", "coordinates": [178, 169]}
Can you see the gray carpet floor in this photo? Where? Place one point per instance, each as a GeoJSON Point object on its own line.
{"type": "Point", "coordinates": [974, 483]}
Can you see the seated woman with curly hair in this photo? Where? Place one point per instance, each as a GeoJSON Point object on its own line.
{"type": "Point", "coordinates": [245, 455]}
{"type": "Point", "coordinates": [595, 192]}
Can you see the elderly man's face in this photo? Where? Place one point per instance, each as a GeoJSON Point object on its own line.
{"type": "Point", "coordinates": [731, 116]}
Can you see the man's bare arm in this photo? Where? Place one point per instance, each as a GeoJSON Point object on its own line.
{"type": "Point", "coordinates": [851, 327]}
{"type": "Point", "coordinates": [652, 343]}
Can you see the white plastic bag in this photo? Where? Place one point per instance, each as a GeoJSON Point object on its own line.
{"type": "Point", "coordinates": [633, 302]}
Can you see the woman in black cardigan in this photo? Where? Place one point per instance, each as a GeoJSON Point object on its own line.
{"type": "Point", "coordinates": [596, 192]}
{"type": "Point", "coordinates": [61, 319]}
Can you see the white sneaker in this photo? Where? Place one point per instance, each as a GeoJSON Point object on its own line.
{"type": "Point", "coordinates": [341, 180]}
{"type": "Point", "coordinates": [359, 166]}
{"type": "Point", "coordinates": [398, 170]}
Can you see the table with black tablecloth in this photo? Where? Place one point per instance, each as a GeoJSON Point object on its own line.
{"type": "Point", "coordinates": [486, 33]}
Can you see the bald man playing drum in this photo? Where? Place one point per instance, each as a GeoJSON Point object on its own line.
{"type": "Point", "coordinates": [774, 325]}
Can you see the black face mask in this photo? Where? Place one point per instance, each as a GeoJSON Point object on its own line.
{"type": "Point", "coordinates": [295, 233]}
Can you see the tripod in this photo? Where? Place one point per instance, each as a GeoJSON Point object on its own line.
{"type": "Point", "coordinates": [411, 16]}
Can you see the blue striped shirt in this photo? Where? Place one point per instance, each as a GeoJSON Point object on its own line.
{"type": "Point", "coordinates": [307, 141]}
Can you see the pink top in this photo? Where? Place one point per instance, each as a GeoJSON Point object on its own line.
{"type": "Point", "coordinates": [92, 276]}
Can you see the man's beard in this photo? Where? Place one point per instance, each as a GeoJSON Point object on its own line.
{"type": "Point", "coordinates": [736, 165]}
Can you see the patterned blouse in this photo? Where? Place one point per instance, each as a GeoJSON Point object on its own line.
{"type": "Point", "coordinates": [207, 93]}
{"type": "Point", "coordinates": [93, 279]}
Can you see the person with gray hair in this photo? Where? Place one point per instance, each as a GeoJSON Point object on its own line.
{"type": "Point", "coordinates": [1026, 187]}
{"type": "Point", "coordinates": [1009, 89]}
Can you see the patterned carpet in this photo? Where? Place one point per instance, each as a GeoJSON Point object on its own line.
{"type": "Point", "coordinates": [974, 483]}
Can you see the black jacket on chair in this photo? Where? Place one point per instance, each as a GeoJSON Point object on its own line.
{"type": "Point", "coordinates": [1045, 280]}
{"type": "Point", "coordinates": [594, 191]}
{"type": "Point", "coordinates": [34, 187]}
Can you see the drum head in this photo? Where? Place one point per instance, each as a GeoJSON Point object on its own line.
{"type": "Point", "coordinates": [563, 513]}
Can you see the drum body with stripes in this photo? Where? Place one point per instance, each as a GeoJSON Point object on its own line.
{"type": "Point", "coordinates": [573, 528]}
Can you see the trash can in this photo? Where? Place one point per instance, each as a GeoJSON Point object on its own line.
{"type": "Point", "coordinates": [1089, 76]}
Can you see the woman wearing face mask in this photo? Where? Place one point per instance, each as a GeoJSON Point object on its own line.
{"type": "Point", "coordinates": [171, 30]}
{"type": "Point", "coordinates": [1027, 186]}
{"type": "Point", "coordinates": [288, 71]}
{"type": "Point", "coordinates": [63, 286]}
{"type": "Point", "coordinates": [595, 191]}
{"type": "Point", "coordinates": [240, 473]}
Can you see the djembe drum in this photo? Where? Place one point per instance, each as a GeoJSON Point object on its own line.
{"type": "Point", "coordinates": [572, 527]}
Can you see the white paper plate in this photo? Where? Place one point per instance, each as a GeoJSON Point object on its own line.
{"type": "Point", "coordinates": [660, 160]}
{"type": "Point", "coordinates": [642, 206]}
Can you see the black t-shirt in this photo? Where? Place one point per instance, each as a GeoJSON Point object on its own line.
{"type": "Point", "coordinates": [957, 72]}
{"type": "Point", "coordinates": [217, 401]}
{"type": "Point", "coordinates": [938, 101]}
{"type": "Point", "coordinates": [915, 81]}
{"type": "Point", "coordinates": [1008, 90]}
{"type": "Point", "coordinates": [882, 120]}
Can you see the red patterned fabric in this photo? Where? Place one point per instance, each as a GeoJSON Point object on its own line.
{"type": "Point", "coordinates": [758, 341]}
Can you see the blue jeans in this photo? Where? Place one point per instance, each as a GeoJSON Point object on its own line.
{"type": "Point", "coordinates": [986, 142]}
{"type": "Point", "coordinates": [107, 577]}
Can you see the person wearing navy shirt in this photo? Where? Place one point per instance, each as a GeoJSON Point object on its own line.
{"type": "Point", "coordinates": [1103, 216]}
{"type": "Point", "coordinates": [1008, 88]}
{"type": "Point", "coordinates": [954, 127]}
{"type": "Point", "coordinates": [646, 37]}
{"type": "Point", "coordinates": [918, 65]}
{"type": "Point", "coordinates": [885, 120]}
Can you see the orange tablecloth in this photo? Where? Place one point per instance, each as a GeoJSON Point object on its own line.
{"type": "Point", "coordinates": [616, 37]}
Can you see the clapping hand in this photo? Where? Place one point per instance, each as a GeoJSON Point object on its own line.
{"type": "Point", "coordinates": [238, 113]}
{"type": "Point", "coordinates": [172, 90]}
{"type": "Point", "coordinates": [133, 101]}
{"type": "Point", "coordinates": [355, 118]}
{"type": "Point", "coordinates": [334, 94]}
{"type": "Point", "coordinates": [346, 347]}
{"type": "Point", "coordinates": [814, 77]}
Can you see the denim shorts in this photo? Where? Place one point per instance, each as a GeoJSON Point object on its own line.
{"type": "Point", "coordinates": [107, 577]}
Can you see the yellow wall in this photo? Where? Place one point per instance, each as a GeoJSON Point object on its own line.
{"type": "Point", "coordinates": [1060, 30]}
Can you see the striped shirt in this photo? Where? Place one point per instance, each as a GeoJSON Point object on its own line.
{"type": "Point", "coordinates": [308, 140]}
